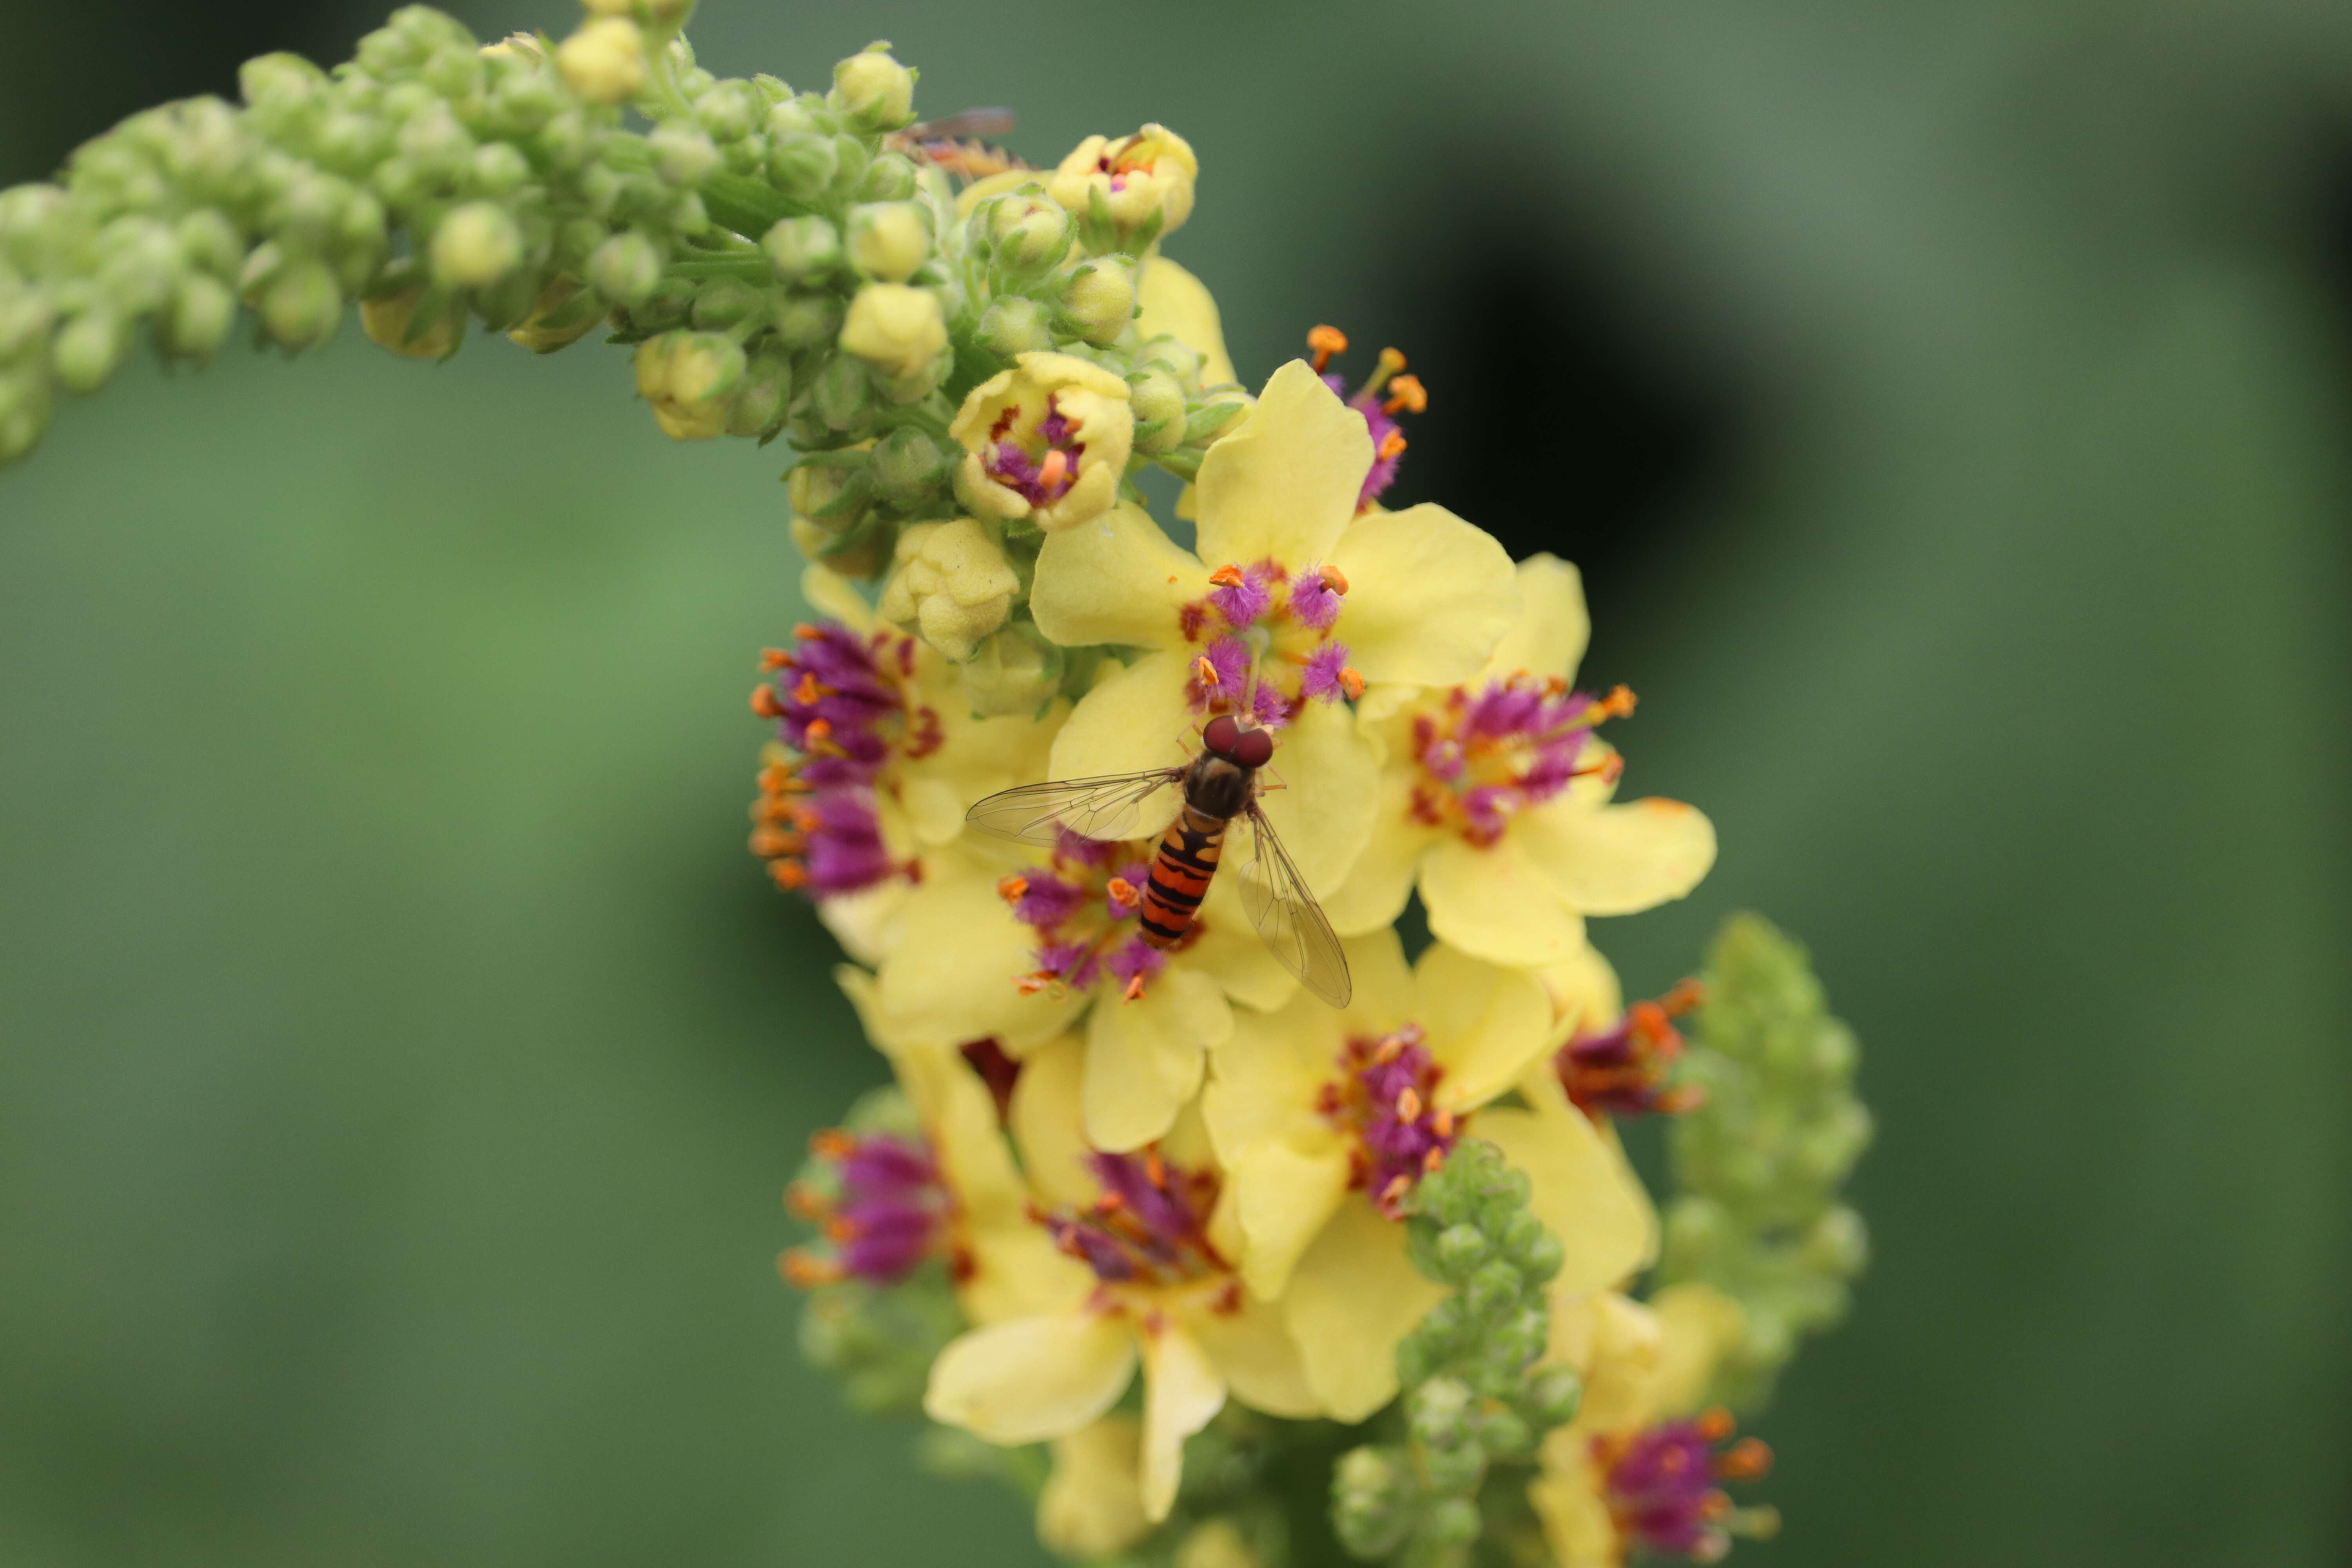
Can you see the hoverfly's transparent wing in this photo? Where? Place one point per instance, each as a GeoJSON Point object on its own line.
{"type": "Point", "coordinates": [1107, 808]}
{"type": "Point", "coordinates": [986, 123]}
{"type": "Point", "coordinates": [1287, 916]}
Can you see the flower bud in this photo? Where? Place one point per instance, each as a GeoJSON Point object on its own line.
{"type": "Point", "coordinates": [1047, 441]}
{"type": "Point", "coordinates": [805, 321]}
{"type": "Point", "coordinates": [194, 321]}
{"type": "Point", "coordinates": [499, 171]}
{"type": "Point", "coordinates": [953, 586]}
{"type": "Point", "coordinates": [726, 302]}
{"type": "Point", "coordinates": [209, 241]}
{"type": "Point", "coordinates": [605, 61]}
{"type": "Point", "coordinates": [897, 328]}
{"type": "Point", "coordinates": [889, 178]}
{"type": "Point", "coordinates": [1012, 671]}
{"type": "Point", "coordinates": [683, 152]}
{"type": "Point", "coordinates": [1028, 233]}
{"type": "Point", "coordinates": [390, 322]}
{"type": "Point", "coordinates": [26, 318]}
{"type": "Point", "coordinates": [25, 405]}
{"type": "Point", "coordinates": [687, 376]}
{"type": "Point", "coordinates": [800, 247]}
{"type": "Point", "coordinates": [804, 164]}
{"type": "Point", "coordinates": [563, 315]}
{"type": "Point", "coordinates": [729, 111]}
{"type": "Point", "coordinates": [1158, 403]}
{"type": "Point", "coordinates": [300, 305]}
{"type": "Point", "coordinates": [759, 402]}
{"type": "Point", "coordinates": [1096, 302]}
{"type": "Point", "coordinates": [1012, 326]}
{"type": "Point", "coordinates": [889, 240]}
{"type": "Point", "coordinates": [90, 348]}
{"type": "Point", "coordinates": [475, 245]}
{"type": "Point", "coordinates": [909, 466]}
{"type": "Point", "coordinates": [142, 261]}
{"type": "Point", "coordinates": [873, 90]}
{"type": "Point", "coordinates": [1128, 194]}
{"type": "Point", "coordinates": [843, 392]}
{"type": "Point", "coordinates": [626, 268]}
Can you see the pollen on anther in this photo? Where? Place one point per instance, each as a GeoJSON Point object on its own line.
{"type": "Point", "coordinates": [765, 703]}
{"type": "Point", "coordinates": [1011, 887]}
{"type": "Point", "coordinates": [1229, 575]}
{"type": "Point", "coordinates": [1408, 1104]}
{"type": "Point", "coordinates": [1326, 341]}
{"type": "Point", "coordinates": [1407, 396]}
{"type": "Point", "coordinates": [1333, 579]}
{"type": "Point", "coordinates": [1352, 681]}
{"type": "Point", "coordinates": [1393, 445]}
{"type": "Point", "coordinates": [1134, 991]}
{"type": "Point", "coordinates": [774, 658]}
{"type": "Point", "coordinates": [1201, 666]}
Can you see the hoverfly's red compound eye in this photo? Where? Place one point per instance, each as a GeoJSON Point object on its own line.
{"type": "Point", "coordinates": [1253, 748]}
{"type": "Point", "coordinates": [1221, 736]}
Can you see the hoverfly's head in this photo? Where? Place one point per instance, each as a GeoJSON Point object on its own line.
{"type": "Point", "coordinates": [1225, 738]}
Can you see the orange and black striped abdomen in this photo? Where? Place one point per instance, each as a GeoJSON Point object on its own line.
{"type": "Point", "coordinates": [1181, 870]}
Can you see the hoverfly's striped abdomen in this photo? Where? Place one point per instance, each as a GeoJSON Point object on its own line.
{"type": "Point", "coordinates": [1180, 871]}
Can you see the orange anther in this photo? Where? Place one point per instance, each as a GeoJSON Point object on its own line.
{"type": "Point", "coordinates": [1407, 396]}
{"type": "Point", "coordinates": [1408, 1104]}
{"type": "Point", "coordinates": [1430, 1162]}
{"type": "Point", "coordinates": [1010, 887]}
{"type": "Point", "coordinates": [789, 875]}
{"type": "Point", "coordinates": [1124, 893]}
{"type": "Point", "coordinates": [1617, 704]}
{"type": "Point", "coordinates": [1352, 681]}
{"type": "Point", "coordinates": [769, 842]}
{"type": "Point", "coordinates": [1393, 1193]}
{"type": "Point", "coordinates": [1333, 579]}
{"type": "Point", "coordinates": [1745, 1460]}
{"type": "Point", "coordinates": [1715, 1425]}
{"type": "Point", "coordinates": [1134, 991]}
{"type": "Point", "coordinates": [1109, 1203]}
{"type": "Point", "coordinates": [805, 1271]}
{"type": "Point", "coordinates": [1206, 671]}
{"type": "Point", "coordinates": [1325, 341]}
{"type": "Point", "coordinates": [831, 1143]}
{"type": "Point", "coordinates": [806, 1202]}
{"type": "Point", "coordinates": [1153, 1169]}
{"type": "Point", "coordinates": [764, 702]}
{"type": "Point", "coordinates": [1051, 472]}
{"type": "Point", "coordinates": [774, 658]}
{"type": "Point", "coordinates": [840, 1229]}
{"type": "Point", "coordinates": [808, 690]}
{"type": "Point", "coordinates": [806, 632]}
{"type": "Point", "coordinates": [1441, 1122]}
{"type": "Point", "coordinates": [1393, 445]}
{"type": "Point", "coordinates": [818, 729]}
{"type": "Point", "coordinates": [1686, 996]}
{"type": "Point", "coordinates": [1227, 576]}
{"type": "Point", "coordinates": [1391, 1048]}
{"type": "Point", "coordinates": [1030, 985]}
{"type": "Point", "coordinates": [776, 779]}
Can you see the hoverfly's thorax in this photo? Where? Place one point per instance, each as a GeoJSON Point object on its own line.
{"type": "Point", "coordinates": [1218, 788]}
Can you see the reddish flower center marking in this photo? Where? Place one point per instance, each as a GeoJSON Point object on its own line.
{"type": "Point", "coordinates": [1083, 906]}
{"type": "Point", "coordinates": [1265, 644]}
{"type": "Point", "coordinates": [1147, 1229]}
{"type": "Point", "coordinates": [1042, 468]}
{"type": "Point", "coordinates": [882, 1205]}
{"type": "Point", "coordinates": [1487, 756]}
{"type": "Point", "coordinates": [1623, 1069]}
{"type": "Point", "coordinates": [1386, 1094]}
{"type": "Point", "coordinates": [1662, 1492]}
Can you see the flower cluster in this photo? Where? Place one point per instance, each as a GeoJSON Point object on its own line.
{"type": "Point", "coordinates": [1190, 1153]}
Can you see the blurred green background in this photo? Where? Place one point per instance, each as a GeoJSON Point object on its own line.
{"type": "Point", "coordinates": [400, 1056]}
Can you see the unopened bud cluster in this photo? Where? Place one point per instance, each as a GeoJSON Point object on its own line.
{"type": "Point", "coordinates": [1760, 1163]}
{"type": "Point", "coordinates": [1473, 1392]}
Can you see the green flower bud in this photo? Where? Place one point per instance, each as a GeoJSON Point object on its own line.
{"type": "Point", "coordinates": [1181, 362]}
{"type": "Point", "coordinates": [475, 245]}
{"type": "Point", "coordinates": [1369, 1488]}
{"type": "Point", "coordinates": [391, 321]}
{"type": "Point", "coordinates": [798, 117]}
{"type": "Point", "coordinates": [1027, 231]}
{"type": "Point", "coordinates": [802, 247]}
{"type": "Point", "coordinates": [1015, 671]}
{"type": "Point", "coordinates": [891, 178]}
{"type": "Point", "coordinates": [25, 405]}
{"type": "Point", "coordinates": [729, 111]}
{"type": "Point", "coordinates": [90, 348]}
{"type": "Point", "coordinates": [1097, 300]}
{"type": "Point", "coordinates": [605, 61]}
{"type": "Point", "coordinates": [1503, 1434]}
{"type": "Point", "coordinates": [300, 305]}
{"type": "Point", "coordinates": [500, 170]}
{"type": "Point", "coordinates": [436, 142]}
{"type": "Point", "coordinates": [1460, 1249]}
{"type": "Point", "coordinates": [843, 392]}
{"type": "Point", "coordinates": [889, 240]}
{"type": "Point", "coordinates": [1452, 1523]}
{"type": "Point", "coordinates": [280, 79]}
{"type": "Point", "coordinates": [1838, 1244]}
{"type": "Point", "coordinates": [1158, 403]}
{"type": "Point", "coordinates": [872, 90]}
{"type": "Point", "coordinates": [684, 152]}
{"type": "Point", "coordinates": [909, 466]}
{"type": "Point", "coordinates": [805, 321]}
{"type": "Point", "coordinates": [1493, 1289]}
{"type": "Point", "coordinates": [1012, 325]}
{"type": "Point", "coordinates": [758, 402]}
{"type": "Point", "coordinates": [626, 268]}
{"type": "Point", "coordinates": [142, 262]}
{"type": "Point", "coordinates": [570, 139]}
{"type": "Point", "coordinates": [26, 318]}
{"type": "Point", "coordinates": [1552, 1395]}
{"type": "Point", "coordinates": [726, 302]}
{"type": "Point", "coordinates": [563, 313]}
{"type": "Point", "coordinates": [804, 165]}
{"type": "Point", "coordinates": [524, 101]}
{"type": "Point", "coordinates": [209, 241]}
{"type": "Point", "coordinates": [851, 157]}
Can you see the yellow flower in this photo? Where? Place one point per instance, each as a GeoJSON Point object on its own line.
{"type": "Point", "coordinates": [1324, 1121]}
{"type": "Point", "coordinates": [952, 584]}
{"type": "Point", "coordinates": [1047, 441]}
{"type": "Point", "coordinates": [1164, 1298]}
{"type": "Point", "coordinates": [1021, 950]}
{"type": "Point", "coordinates": [1293, 603]}
{"type": "Point", "coordinates": [1494, 798]}
{"type": "Point", "coordinates": [1637, 1469]}
{"type": "Point", "coordinates": [686, 377]}
{"type": "Point", "coordinates": [1144, 183]}
{"type": "Point", "coordinates": [877, 759]}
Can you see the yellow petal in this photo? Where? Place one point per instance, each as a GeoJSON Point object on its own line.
{"type": "Point", "coordinates": [1282, 485]}
{"type": "Point", "coordinates": [1551, 627]}
{"type": "Point", "coordinates": [1283, 1195]}
{"type": "Point", "coordinates": [1029, 1379]}
{"type": "Point", "coordinates": [1567, 1497]}
{"type": "Point", "coordinates": [828, 593]}
{"type": "Point", "coordinates": [1049, 1123]}
{"type": "Point", "coordinates": [1017, 1272]}
{"type": "Point", "coordinates": [1699, 1325]}
{"type": "Point", "coordinates": [1170, 300]}
{"type": "Point", "coordinates": [865, 923]}
{"type": "Point", "coordinates": [1385, 994]}
{"type": "Point", "coordinates": [1584, 1191]}
{"type": "Point", "coordinates": [1116, 580]}
{"type": "Point", "coordinates": [1617, 1345]}
{"type": "Point", "coordinates": [1485, 1024]}
{"type": "Point", "coordinates": [1428, 595]}
{"type": "Point", "coordinates": [949, 977]}
{"type": "Point", "coordinates": [1134, 719]}
{"type": "Point", "coordinates": [1181, 1393]}
{"type": "Point", "coordinates": [1618, 859]}
{"type": "Point", "coordinates": [1374, 893]}
{"type": "Point", "coordinates": [1353, 1297]}
{"type": "Point", "coordinates": [1263, 1082]}
{"type": "Point", "coordinates": [1144, 1057]}
{"type": "Point", "coordinates": [1091, 1505]}
{"type": "Point", "coordinates": [1493, 903]}
{"type": "Point", "coordinates": [1324, 815]}
{"type": "Point", "coordinates": [1229, 949]}
{"type": "Point", "coordinates": [1258, 1360]}
{"type": "Point", "coordinates": [1584, 992]}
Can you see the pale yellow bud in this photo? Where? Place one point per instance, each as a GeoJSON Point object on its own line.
{"type": "Point", "coordinates": [1098, 301]}
{"type": "Point", "coordinates": [605, 61]}
{"type": "Point", "coordinates": [1216, 1544]}
{"type": "Point", "coordinates": [898, 329]}
{"type": "Point", "coordinates": [874, 89]}
{"type": "Point", "coordinates": [389, 320]}
{"type": "Point", "coordinates": [889, 239]}
{"type": "Point", "coordinates": [475, 245]}
{"type": "Point", "coordinates": [607, 7]}
{"type": "Point", "coordinates": [953, 585]}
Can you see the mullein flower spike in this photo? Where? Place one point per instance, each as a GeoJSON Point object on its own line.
{"type": "Point", "coordinates": [1143, 1207]}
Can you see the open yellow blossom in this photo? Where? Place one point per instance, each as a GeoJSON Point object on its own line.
{"type": "Point", "coordinates": [1637, 1470]}
{"type": "Point", "coordinates": [1047, 441]}
{"type": "Point", "coordinates": [1291, 606]}
{"type": "Point", "coordinates": [1023, 944]}
{"type": "Point", "coordinates": [1144, 183]}
{"type": "Point", "coordinates": [1325, 1120]}
{"type": "Point", "coordinates": [1495, 799]}
{"type": "Point", "coordinates": [877, 758]}
{"type": "Point", "coordinates": [1164, 1298]}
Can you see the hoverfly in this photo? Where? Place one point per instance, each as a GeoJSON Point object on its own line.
{"type": "Point", "coordinates": [960, 143]}
{"type": "Point", "coordinates": [1220, 786]}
